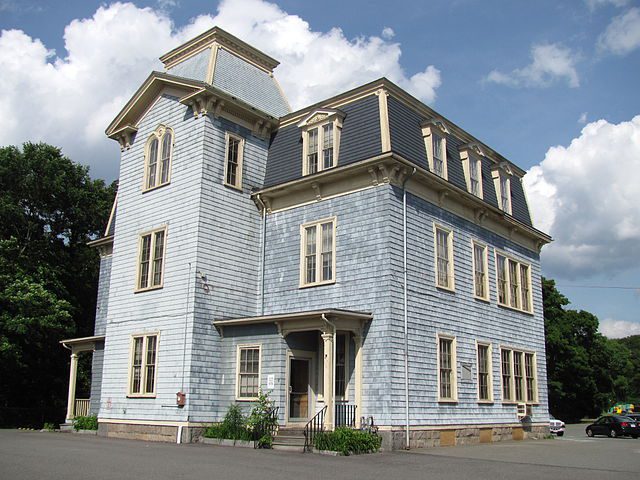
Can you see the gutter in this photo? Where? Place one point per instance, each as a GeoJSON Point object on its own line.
{"type": "Point", "coordinates": [406, 310]}
{"type": "Point", "coordinates": [262, 251]}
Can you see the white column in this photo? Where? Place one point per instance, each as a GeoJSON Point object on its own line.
{"type": "Point", "coordinates": [71, 400]}
{"type": "Point", "coordinates": [357, 340]}
{"type": "Point", "coordinates": [328, 380]}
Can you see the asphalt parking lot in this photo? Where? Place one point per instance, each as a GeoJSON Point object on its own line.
{"type": "Point", "coordinates": [34, 455]}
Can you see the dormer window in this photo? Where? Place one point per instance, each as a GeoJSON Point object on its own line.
{"type": "Point", "coordinates": [158, 153]}
{"type": "Point", "coordinates": [435, 140]}
{"type": "Point", "coordinates": [502, 182]}
{"type": "Point", "coordinates": [320, 140]}
{"type": "Point", "coordinates": [471, 156]}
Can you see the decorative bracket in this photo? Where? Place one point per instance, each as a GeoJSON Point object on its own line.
{"type": "Point", "coordinates": [385, 174]}
{"type": "Point", "coordinates": [480, 214]}
{"type": "Point", "coordinates": [441, 196]}
{"type": "Point", "coordinates": [374, 176]}
{"type": "Point", "coordinates": [316, 189]}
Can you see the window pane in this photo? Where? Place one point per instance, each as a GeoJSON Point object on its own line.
{"type": "Point", "coordinates": [530, 377]}
{"type": "Point", "coordinates": [514, 287]}
{"type": "Point", "coordinates": [312, 151]}
{"type": "Point", "coordinates": [517, 373]}
{"type": "Point", "coordinates": [506, 374]}
{"type": "Point", "coordinates": [327, 251]}
{"type": "Point", "coordinates": [442, 247]}
{"type": "Point", "coordinates": [479, 272]}
{"type": "Point", "coordinates": [474, 174]}
{"type": "Point", "coordinates": [233, 149]}
{"type": "Point", "coordinates": [341, 365]}
{"type": "Point", "coordinates": [150, 365]}
{"type": "Point", "coordinates": [445, 346]}
{"type": "Point", "coordinates": [483, 372]}
{"type": "Point", "coordinates": [310, 254]}
{"type": "Point", "coordinates": [248, 373]}
{"type": "Point", "coordinates": [504, 193]}
{"type": "Point", "coordinates": [327, 146]}
{"type": "Point", "coordinates": [524, 279]}
{"type": "Point", "coordinates": [502, 279]}
{"type": "Point", "coordinates": [152, 163]}
{"type": "Point", "coordinates": [166, 156]}
{"type": "Point", "coordinates": [158, 252]}
{"type": "Point", "coordinates": [136, 368]}
{"type": "Point", "coordinates": [145, 253]}
{"type": "Point", "coordinates": [438, 155]}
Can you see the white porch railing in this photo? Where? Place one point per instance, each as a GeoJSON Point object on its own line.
{"type": "Point", "coordinates": [81, 407]}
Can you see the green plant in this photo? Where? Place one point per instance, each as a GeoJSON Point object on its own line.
{"type": "Point", "coordinates": [262, 423]}
{"type": "Point", "coordinates": [347, 441]}
{"type": "Point", "coordinates": [233, 427]}
{"type": "Point", "coordinates": [50, 427]}
{"type": "Point", "coordinates": [90, 422]}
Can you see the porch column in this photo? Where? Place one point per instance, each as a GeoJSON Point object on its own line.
{"type": "Point", "coordinates": [71, 400]}
{"type": "Point", "coordinates": [327, 338]}
{"type": "Point", "coordinates": [357, 340]}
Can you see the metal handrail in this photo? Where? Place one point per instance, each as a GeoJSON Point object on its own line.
{"type": "Point", "coordinates": [268, 426]}
{"type": "Point", "coordinates": [313, 427]}
{"type": "Point", "coordinates": [345, 415]}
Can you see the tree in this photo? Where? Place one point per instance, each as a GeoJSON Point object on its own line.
{"type": "Point", "coordinates": [49, 209]}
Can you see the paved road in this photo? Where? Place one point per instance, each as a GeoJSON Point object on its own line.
{"type": "Point", "coordinates": [35, 455]}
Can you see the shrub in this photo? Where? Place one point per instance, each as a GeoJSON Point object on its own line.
{"type": "Point", "coordinates": [347, 441]}
{"type": "Point", "coordinates": [90, 422]}
{"type": "Point", "coordinates": [233, 427]}
{"type": "Point", "coordinates": [50, 427]}
{"type": "Point", "coordinates": [261, 423]}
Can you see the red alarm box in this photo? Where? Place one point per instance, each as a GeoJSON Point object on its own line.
{"type": "Point", "coordinates": [181, 399]}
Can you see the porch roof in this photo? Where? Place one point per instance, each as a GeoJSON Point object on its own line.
{"type": "Point", "coordinates": [299, 321]}
{"type": "Point", "coordinates": [82, 343]}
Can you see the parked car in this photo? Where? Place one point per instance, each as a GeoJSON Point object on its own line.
{"type": "Point", "coordinates": [614, 426]}
{"type": "Point", "coordinates": [556, 426]}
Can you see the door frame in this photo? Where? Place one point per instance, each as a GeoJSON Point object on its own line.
{"type": "Point", "coordinates": [311, 358]}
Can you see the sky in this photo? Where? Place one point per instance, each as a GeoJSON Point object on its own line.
{"type": "Point", "coordinates": [551, 85]}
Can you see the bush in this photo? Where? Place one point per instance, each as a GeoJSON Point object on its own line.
{"type": "Point", "coordinates": [233, 427]}
{"type": "Point", "coordinates": [90, 422]}
{"type": "Point", "coordinates": [49, 427]}
{"type": "Point", "coordinates": [261, 422]}
{"type": "Point", "coordinates": [347, 441]}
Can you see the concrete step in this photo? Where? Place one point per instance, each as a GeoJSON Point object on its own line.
{"type": "Point", "coordinates": [298, 432]}
{"type": "Point", "coordinates": [288, 448]}
{"type": "Point", "coordinates": [288, 440]}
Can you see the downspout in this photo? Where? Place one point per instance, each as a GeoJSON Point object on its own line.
{"type": "Point", "coordinates": [333, 365]}
{"type": "Point", "coordinates": [406, 311]}
{"type": "Point", "coordinates": [262, 251]}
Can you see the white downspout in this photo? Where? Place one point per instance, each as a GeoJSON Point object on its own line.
{"type": "Point", "coordinates": [406, 311]}
{"type": "Point", "coordinates": [262, 251]}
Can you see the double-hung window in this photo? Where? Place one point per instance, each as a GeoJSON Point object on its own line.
{"type": "Point", "coordinates": [234, 153]}
{"type": "Point", "coordinates": [502, 183]}
{"type": "Point", "coordinates": [158, 153]}
{"type": "Point", "coordinates": [151, 252]}
{"type": "Point", "coordinates": [317, 252]}
{"type": "Point", "coordinates": [142, 377]}
{"type": "Point", "coordinates": [320, 140]}
{"type": "Point", "coordinates": [485, 393]}
{"type": "Point", "coordinates": [435, 141]}
{"type": "Point", "coordinates": [443, 239]}
{"type": "Point", "coordinates": [447, 387]}
{"type": "Point", "coordinates": [519, 376]}
{"type": "Point", "coordinates": [480, 267]}
{"type": "Point", "coordinates": [248, 376]}
{"type": "Point", "coordinates": [471, 155]}
{"type": "Point", "coordinates": [514, 283]}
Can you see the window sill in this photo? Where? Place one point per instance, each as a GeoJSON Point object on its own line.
{"type": "Point", "coordinates": [233, 187]}
{"type": "Point", "coordinates": [319, 284]}
{"type": "Point", "coordinates": [146, 190]}
{"type": "Point", "coordinates": [486, 402]}
{"type": "Point", "coordinates": [445, 401]}
{"type": "Point", "coordinates": [446, 289]}
{"type": "Point", "coordinates": [508, 307]}
{"type": "Point", "coordinates": [141, 290]}
{"type": "Point", "coordinates": [246, 399]}
{"type": "Point", "coordinates": [482, 299]}
{"type": "Point", "coordinates": [142, 395]}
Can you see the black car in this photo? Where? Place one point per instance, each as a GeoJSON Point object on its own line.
{"type": "Point", "coordinates": [614, 426]}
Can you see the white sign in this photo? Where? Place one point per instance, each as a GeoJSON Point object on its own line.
{"type": "Point", "coordinates": [271, 381]}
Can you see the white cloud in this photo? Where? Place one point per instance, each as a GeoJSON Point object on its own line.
{"type": "Point", "coordinates": [550, 62]}
{"type": "Point", "coordinates": [622, 35]}
{"type": "Point", "coordinates": [388, 33]}
{"type": "Point", "coordinates": [594, 4]}
{"type": "Point", "coordinates": [586, 196]}
{"type": "Point", "coordinates": [583, 118]}
{"type": "Point", "coordinates": [619, 328]}
{"type": "Point", "coordinates": [68, 98]}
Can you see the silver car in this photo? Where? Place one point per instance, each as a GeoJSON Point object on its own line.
{"type": "Point", "coordinates": [556, 426]}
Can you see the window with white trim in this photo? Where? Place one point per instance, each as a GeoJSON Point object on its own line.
{"type": "Point", "coordinates": [447, 387]}
{"type": "Point", "coordinates": [158, 154]}
{"type": "Point", "coordinates": [471, 155]}
{"type": "Point", "coordinates": [480, 271]}
{"type": "Point", "coordinates": [234, 153]}
{"type": "Point", "coordinates": [502, 183]}
{"type": "Point", "coordinates": [513, 283]}
{"type": "Point", "coordinates": [435, 138]}
{"type": "Point", "coordinates": [443, 241]}
{"type": "Point", "coordinates": [144, 352]}
{"type": "Point", "coordinates": [320, 140]}
{"type": "Point", "coordinates": [317, 252]}
{"type": "Point", "coordinates": [151, 252]}
{"type": "Point", "coordinates": [519, 376]}
{"type": "Point", "coordinates": [485, 392]}
{"type": "Point", "coordinates": [341, 366]}
{"type": "Point", "coordinates": [248, 368]}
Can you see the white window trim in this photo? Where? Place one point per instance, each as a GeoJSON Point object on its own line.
{"type": "Point", "coordinates": [152, 249]}
{"type": "Point", "coordinates": [454, 368]}
{"type": "Point", "coordinates": [452, 286]}
{"type": "Point", "coordinates": [519, 264]}
{"type": "Point", "coordinates": [158, 133]}
{"type": "Point", "coordinates": [472, 154]}
{"type": "Point", "coordinates": [490, 371]}
{"type": "Point", "coordinates": [485, 259]}
{"type": "Point", "coordinates": [317, 223]}
{"type": "Point", "coordinates": [503, 172]}
{"type": "Point", "coordinates": [228, 136]}
{"type": "Point", "coordinates": [512, 389]}
{"type": "Point", "coordinates": [318, 119]}
{"type": "Point", "coordinates": [238, 349]}
{"type": "Point", "coordinates": [143, 377]}
{"type": "Point", "coordinates": [439, 128]}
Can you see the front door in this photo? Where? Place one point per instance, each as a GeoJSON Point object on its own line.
{"type": "Point", "coordinates": [298, 389]}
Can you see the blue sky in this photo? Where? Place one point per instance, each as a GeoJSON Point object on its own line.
{"type": "Point", "coordinates": [552, 85]}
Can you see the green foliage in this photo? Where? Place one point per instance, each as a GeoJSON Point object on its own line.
{"type": "Point", "coordinates": [49, 209]}
{"type": "Point", "coordinates": [233, 427]}
{"type": "Point", "coordinates": [347, 441]}
{"type": "Point", "coordinates": [49, 427]}
{"type": "Point", "coordinates": [586, 372]}
{"type": "Point", "coordinates": [260, 422]}
{"type": "Point", "coordinates": [90, 422]}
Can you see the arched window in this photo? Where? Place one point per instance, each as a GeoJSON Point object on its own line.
{"type": "Point", "coordinates": [158, 158]}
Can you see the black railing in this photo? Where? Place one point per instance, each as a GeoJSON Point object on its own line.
{"type": "Point", "coordinates": [345, 415]}
{"type": "Point", "coordinates": [268, 426]}
{"type": "Point", "coordinates": [312, 428]}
